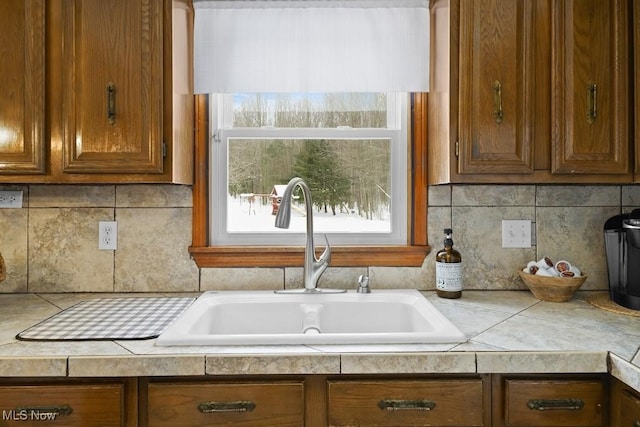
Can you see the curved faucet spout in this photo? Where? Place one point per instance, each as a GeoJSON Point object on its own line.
{"type": "Point", "coordinates": [313, 267]}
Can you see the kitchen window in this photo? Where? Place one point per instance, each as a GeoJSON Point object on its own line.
{"type": "Point", "coordinates": [252, 52]}
{"type": "Point", "coordinates": [208, 253]}
{"type": "Point", "coordinates": [350, 148]}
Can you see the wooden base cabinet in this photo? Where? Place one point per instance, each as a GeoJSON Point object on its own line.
{"type": "Point", "coordinates": [317, 401]}
{"type": "Point", "coordinates": [87, 403]}
{"type": "Point", "coordinates": [538, 401]}
{"type": "Point", "coordinates": [625, 405]}
{"type": "Point", "coordinates": [254, 403]}
{"type": "Point", "coordinates": [408, 402]}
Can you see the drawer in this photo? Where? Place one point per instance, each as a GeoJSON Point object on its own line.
{"type": "Point", "coordinates": [538, 403]}
{"type": "Point", "coordinates": [63, 405]}
{"type": "Point", "coordinates": [406, 403]}
{"type": "Point", "coordinates": [229, 404]}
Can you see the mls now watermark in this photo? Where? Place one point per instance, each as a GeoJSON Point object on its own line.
{"type": "Point", "coordinates": [28, 415]}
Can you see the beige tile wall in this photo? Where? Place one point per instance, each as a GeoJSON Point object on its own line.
{"type": "Point", "coordinates": [50, 245]}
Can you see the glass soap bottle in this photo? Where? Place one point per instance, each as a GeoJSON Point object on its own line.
{"type": "Point", "coordinates": [448, 269]}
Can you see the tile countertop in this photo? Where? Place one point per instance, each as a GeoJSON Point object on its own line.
{"type": "Point", "coordinates": [507, 331]}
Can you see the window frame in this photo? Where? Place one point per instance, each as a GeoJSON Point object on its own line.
{"type": "Point", "coordinates": [395, 131]}
{"type": "Point", "coordinates": [410, 255]}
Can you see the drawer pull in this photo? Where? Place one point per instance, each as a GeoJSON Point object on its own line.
{"type": "Point", "coordinates": [555, 404]}
{"type": "Point", "coordinates": [55, 410]}
{"type": "Point", "coordinates": [406, 405]}
{"type": "Point", "coordinates": [636, 424]}
{"type": "Point", "coordinates": [216, 407]}
{"type": "Point", "coordinates": [592, 106]}
{"type": "Point", "coordinates": [111, 103]}
{"type": "Point", "coordinates": [497, 100]}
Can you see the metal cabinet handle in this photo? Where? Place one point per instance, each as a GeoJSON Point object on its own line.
{"type": "Point", "coordinates": [217, 407]}
{"type": "Point", "coordinates": [592, 102]}
{"type": "Point", "coordinates": [636, 423]}
{"type": "Point", "coordinates": [497, 101]}
{"type": "Point", "coordinates": [555, 404]}
{"type": "Point", "coordinates": [406, 405]}
{"type": "Point", "coordinates": [111, 102]}
{"type": "Point", "coordinates": [57, 410]}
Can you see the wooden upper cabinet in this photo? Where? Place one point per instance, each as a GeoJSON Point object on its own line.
{"type": "Point", "coordinates": [530, 91]}
{"type": "Point", "coordinates": [22, 87]}
{"type": "Point", "coordinates": [591, 130]}
{"type": "Point", "coordinates": [97, 91]}
{"type": "Point", "coordinates": [496, 85]}
{"type": "Point", "coordinates": [489, 91]}
{"type": "Point", "coordinates": [112, 86]}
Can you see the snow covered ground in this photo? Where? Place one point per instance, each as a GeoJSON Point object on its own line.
{"type": "Point", "coordinates": [245, 216]}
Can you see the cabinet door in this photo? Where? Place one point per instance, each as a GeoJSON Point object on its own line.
{"type": "Point", "coordinates": [590, 87]}
{"type": "Point", "coordinates": [22, 87]}
{"type": "Point", "coordinates": [496, 86]}
{"type": "Point", "coordinates": [112, 86]}
{"type": "Point", "coordinates": [553, 403]}
{"type": "Point", "coordinates": [625, 406]}
{"type": "Point", "coordinates": [257, 404]}
{"type": "Point", "coordinates": [406, 403]}
{"type": "Point", "coordinates": [100, 405]}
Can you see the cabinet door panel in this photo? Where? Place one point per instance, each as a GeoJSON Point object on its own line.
{"type": "Point", "coordinates": [64, 405]}
{"type": "Point", "coordinates": [626, 411]}
{"type": "Point", "coordinates": [406, 403]}
{"type": "Point", "coordinates": [496, 86]}
{"type": "Point", "coordinates": [553, 403]}
{"type": "Point", "coordinates": [590, 87]}
{"type": "Point", "coordinates": [22, 87]}
{"type": "Point", "coordinates": [255, 405]}
{"type": "Point", "coordinates": [112, 86]}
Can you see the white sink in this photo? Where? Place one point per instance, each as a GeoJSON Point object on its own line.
{"type": "Point", "coordinates": [267, 318]}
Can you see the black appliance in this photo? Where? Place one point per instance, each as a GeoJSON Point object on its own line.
{"type": "Point", "coordinates": [622, 245]}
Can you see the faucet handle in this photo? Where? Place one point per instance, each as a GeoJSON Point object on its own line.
{"type": "Point", "coordinates": [325, 258]}
{"type": "Point", "coordinates": [363, 285]}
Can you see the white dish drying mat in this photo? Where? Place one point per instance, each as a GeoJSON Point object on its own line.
{"type": "Point", "coordinates": [109, 319]}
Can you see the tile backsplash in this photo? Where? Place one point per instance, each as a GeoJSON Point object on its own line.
{"type": "Point", "coordinates": [51, 244]}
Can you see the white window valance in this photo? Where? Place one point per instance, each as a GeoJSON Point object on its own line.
{"type": "Point", "coordinates": [311, 46]}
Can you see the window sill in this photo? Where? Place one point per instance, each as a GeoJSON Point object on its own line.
{"type": "Point", "coordinates": [342, 256]}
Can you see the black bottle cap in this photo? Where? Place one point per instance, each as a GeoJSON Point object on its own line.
{"type": "Point", "coordinates": [448, 241]}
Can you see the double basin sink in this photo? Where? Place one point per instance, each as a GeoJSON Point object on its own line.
{"type": "Point", "coordinates": [266, 318]}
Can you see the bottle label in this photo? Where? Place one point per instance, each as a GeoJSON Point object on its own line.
{"type": "Point", "coordinates": [449, 276]}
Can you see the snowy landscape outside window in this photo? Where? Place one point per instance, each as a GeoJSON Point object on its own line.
{"type": "Point", "coordinates": [350, 148]}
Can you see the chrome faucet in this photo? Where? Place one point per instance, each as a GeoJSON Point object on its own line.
{"type": "Point", "coordinates": [313, 267]}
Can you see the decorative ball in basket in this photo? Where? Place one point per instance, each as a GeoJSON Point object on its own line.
{"type": "Point", "coordinates": [3, 269]}
{"type": "Point", "coordinates": [549, 281]}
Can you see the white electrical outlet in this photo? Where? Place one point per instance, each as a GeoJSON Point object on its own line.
{"type": "Point", "coordinates": [516, 233]}
{"type": "Point", "coordinates": [107, 235]}
{"type": "Point", "coordinates": [10, 199]}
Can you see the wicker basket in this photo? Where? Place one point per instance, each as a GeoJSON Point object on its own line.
{"type": "Point", "coordinates": [554, 289]}
{"type": "Point", "coordinates": [3, 269]}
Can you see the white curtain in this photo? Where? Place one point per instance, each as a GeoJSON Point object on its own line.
{"type": "Point", "coordinates": [311, 46]}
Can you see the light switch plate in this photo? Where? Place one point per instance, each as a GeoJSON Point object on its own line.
{"type": "Point", "coordinates": [516, 233]}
